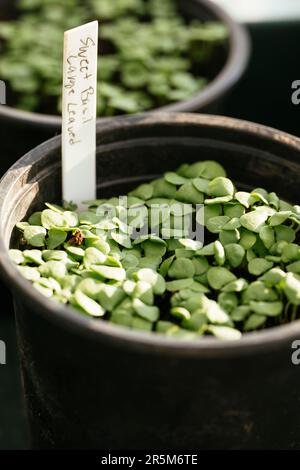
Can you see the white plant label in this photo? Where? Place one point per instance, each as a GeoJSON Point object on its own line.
{"type": "Point", "coordinates": [79, 99]}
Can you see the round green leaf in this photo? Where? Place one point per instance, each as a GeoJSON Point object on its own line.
{"type": "Point", "coordinates": [35, 235]}
{"type": "Point", "coordinates": [258, 266]}
{"type": "Point", "coordinates": [218, 277]}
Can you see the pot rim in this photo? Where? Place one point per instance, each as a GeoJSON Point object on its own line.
{"type": "Point", "coordinates": [65, 316]}
{"type": "Point", "coordinates": [237, 60]}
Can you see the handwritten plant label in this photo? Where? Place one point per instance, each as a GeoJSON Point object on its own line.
{"type": "Point", "coordinates": [79, 99]}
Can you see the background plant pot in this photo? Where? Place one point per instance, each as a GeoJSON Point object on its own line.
{"type": "Point", "coordinates": [90, 384]}
{"type": "Point", "coordinates": [20, 131]}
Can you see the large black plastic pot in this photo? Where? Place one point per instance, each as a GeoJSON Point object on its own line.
{"type": "Point", "coordinates": [90, 384]}
{"type": "Point", "coordinates": [20, 131]}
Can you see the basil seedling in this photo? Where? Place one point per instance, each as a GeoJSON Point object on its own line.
{"type": "Point", "coordinates": [245, 277]}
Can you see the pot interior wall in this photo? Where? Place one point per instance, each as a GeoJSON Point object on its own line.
{"type": "Point", "coordinates": [131, 154]}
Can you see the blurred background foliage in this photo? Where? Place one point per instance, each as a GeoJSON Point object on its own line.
{"type": "Point", "coordinates": [150, 54]}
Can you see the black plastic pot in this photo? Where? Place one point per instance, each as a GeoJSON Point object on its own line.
{"type": "Point", "coordinates": [20, 131]}
{"type": "Point", "coordinates": [90, 384]}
